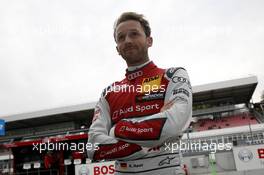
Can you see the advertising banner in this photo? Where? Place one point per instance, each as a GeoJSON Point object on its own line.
{"type": "Point", "coordinates": [2, 127]}
{"type": "Point", "coordinates": [249, 157]}
{"type": "Point", "coordinates": [103, 168]}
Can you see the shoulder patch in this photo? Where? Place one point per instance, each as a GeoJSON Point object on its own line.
{"type": "Point", "coordinates": [170, 72]}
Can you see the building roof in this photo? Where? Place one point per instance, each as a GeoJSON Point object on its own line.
{"type": "Point", "coordinates": [50, 112]}
{"type": "Point", "coordinates": [237, 91]}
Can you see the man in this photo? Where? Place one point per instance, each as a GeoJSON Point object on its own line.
{"type": "Point", "coordinates": [137, 118]}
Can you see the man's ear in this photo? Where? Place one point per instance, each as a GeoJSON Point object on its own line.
{"type": "Point", "coordinates": [117, 50]}
{"type": "Point", "coordinates": [149, 41]}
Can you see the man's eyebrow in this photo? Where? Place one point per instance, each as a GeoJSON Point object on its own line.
{"type": "Point", "coordinates": [133, 30]}
{"type": "Point", "coordinates": [130, 30]}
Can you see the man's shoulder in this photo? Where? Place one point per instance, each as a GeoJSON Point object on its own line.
{"type": "Point", "coordinates": [170, 72]}
{"type": "Point", "coordinates": [112, 87]}
{"type": "Point", "coordinates": [178, 75]}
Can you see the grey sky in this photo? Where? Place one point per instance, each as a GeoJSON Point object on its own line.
{"type": "Point", "coordinates": [57, 53]}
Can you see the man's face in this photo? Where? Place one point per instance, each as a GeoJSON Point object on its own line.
{"type": "Point", "coordinates": [132, 42]}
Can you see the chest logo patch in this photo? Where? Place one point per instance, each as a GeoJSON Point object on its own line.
{"type": "Point", "coordinates": [151, 83]}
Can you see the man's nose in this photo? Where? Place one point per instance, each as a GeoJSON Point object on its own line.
{"type": "Point", "coordinates": [128, 39]}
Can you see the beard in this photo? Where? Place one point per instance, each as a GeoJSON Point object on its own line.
{"type": "Point", "coordinates": [134, 55]}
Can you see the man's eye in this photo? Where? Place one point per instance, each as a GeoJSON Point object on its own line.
{"type": "Point", "coordinates": [134, 33]}
{"type": "Point", "coordinates": [120, 38]}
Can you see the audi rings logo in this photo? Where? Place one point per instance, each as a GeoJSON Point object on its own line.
{"type": "Point", "coordinates": [176, 79]}
{"type": "Point", "coordinates": [134, 75]}
{"type": "Point", "coordinates": [245, 155]}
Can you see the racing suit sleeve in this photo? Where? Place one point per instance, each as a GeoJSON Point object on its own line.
{"type": "Point", "coordinates": [154, 130]}
{"type": "Point", "coordinates": [106, 147]}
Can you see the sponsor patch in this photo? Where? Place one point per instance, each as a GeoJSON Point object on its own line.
{"type": "Point", "coordinates": [137, 108]}
{"type": "Point", "coordinates": [166, 161]}
{"type": "Point", "coordinates": [151, 83]}
{"type": "Point", "coordinates": [170, 72]}
{"type": "Point", "coordinates": [117, 150]}
{"type": "Point", "coordinates": [177, 79]}
{"type": "Point", "coordinates": [150, 97]}
{"type": "Point", "coordinates": [181, 90]}
{"type": "Point", "coordinates": [146, 130]}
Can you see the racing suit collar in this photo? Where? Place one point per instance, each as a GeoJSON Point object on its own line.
{"type": "Point", "coordinates": [130, 75]}
{"type": "Point", "coordinates": [133, 68]}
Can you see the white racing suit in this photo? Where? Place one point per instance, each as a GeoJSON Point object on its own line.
{"type": "Point", "coordinates": [131, 127]}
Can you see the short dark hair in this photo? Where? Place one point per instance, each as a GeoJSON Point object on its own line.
{"type": "Point", "coordinates": [133, 16]}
